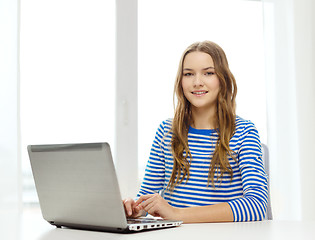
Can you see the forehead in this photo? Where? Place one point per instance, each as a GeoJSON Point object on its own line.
{"type": "Point", "coordinates": [196, 60]}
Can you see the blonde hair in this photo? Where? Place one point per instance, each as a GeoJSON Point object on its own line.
{"type": "Point", "coordinates": [225, 118]}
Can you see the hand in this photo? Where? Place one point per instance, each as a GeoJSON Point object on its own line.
{"type": "Point", "coordinates": [131, 209]}
{"type": "Point", "coordinates": [157, 206]}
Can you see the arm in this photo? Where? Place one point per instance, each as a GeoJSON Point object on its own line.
{"type": "Point", "coordinates": [154, 177]}
{"type": "Point", "coordinates": [252, 206]}
{"type": "Point", "coordinates": [153, 180]}
{"type": "Point", "coordinates": [213, 213]}
{"type": "Point", "coordinates": [156, 206]}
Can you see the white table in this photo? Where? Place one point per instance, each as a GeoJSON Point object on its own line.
{"type": "Point", "coordinates": [31, 226]}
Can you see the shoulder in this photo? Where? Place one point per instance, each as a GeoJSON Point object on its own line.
{"type": "Point", "coordinates": [166, 125]}
{"type": "Point", "coordinates": [246, 140]}
{"type": "Point", "coordinates": [244, 125]}
{"type": "Point", "coordinates": [245, 128]}
{"type": "Point", "coordinates": [164, 128]}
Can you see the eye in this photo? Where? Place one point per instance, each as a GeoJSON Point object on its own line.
{"type": "Point", "coordinates": [209, 73]}
{"type": "Point", "coordinates": [188, 74]}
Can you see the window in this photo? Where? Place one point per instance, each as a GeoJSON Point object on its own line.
{"type": "Point", "coordinates": [166, 28]}
{"type": "Point", "coordinates": [67, 75]}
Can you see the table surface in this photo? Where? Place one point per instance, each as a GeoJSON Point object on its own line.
{"type": "Point", "coordinates": [30, 225]}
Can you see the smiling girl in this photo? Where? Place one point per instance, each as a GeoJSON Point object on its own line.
{"type": "Point", "coordinates": [206, 163]}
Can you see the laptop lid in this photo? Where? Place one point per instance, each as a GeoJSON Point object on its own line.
{"type": "Point", "coordinates": [77, 185]}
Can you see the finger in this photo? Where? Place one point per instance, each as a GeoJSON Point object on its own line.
{"type": "Point", "coordinates": [153, 209]}
{"type": "Point", "coordinates": [128, 203]}
{"type": "Point", "coordinates": [143, 198]}
{"type": "Point", "coordinates": [145, 203]}
{"type": "Point", "coordinates": [147, 206]}
{"type": "Point", "coordinates": [127, 207]}
{"type": "Point", "coordinates": [147, 197]}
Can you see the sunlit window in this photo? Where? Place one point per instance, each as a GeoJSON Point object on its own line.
{"type": "Point", "coordinates": [67, 75]}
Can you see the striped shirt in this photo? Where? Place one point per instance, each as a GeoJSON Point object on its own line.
{"type": "Point", "coordinates": [246, 192]}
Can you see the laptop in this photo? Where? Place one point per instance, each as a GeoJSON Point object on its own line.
{"type": "Point", "coordinates": [77, 187]}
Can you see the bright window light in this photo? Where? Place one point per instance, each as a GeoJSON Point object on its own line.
{"type": "Point", "coordinates": [67, 75]}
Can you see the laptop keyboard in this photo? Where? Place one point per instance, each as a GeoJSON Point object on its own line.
{"type": "Point", "coordinates": [143, 220]}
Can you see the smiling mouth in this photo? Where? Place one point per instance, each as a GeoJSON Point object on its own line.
{"type": "Point", "coordinates": [199, 93]}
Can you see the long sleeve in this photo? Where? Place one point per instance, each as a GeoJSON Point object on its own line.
{"type": "Point", "coordinates": [154, 178]}
{"type": "Point", "coordinates": [252, 206]}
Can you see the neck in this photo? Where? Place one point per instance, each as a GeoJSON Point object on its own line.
{"type": "Point", "coordinates": [204, 119]}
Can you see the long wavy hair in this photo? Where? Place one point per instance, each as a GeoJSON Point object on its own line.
{"type": "Point", "coordinates": [225, 118]}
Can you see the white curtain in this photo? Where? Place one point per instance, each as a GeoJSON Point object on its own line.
{"type": "Point", "coordinates": [289, 38]}
{"type": "Point", "coordinates": [305, 88]}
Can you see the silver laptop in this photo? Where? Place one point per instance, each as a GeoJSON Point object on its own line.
{"type": "Point", "coordinates": [77, 187]}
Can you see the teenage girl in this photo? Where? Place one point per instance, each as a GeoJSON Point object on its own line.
{"type": "Point", "coordinates": [206, 163]}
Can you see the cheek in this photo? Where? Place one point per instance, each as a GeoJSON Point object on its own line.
{"type": "Point", "coordinates": [184, 86]}
{"type": "Point", "coordinates": [216, 84]}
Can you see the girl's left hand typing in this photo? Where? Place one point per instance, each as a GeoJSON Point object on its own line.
{"type": "Point", "coordinates": [156, 206]}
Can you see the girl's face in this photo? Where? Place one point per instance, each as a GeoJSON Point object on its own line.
{"type": "Point", "coordinates": [199, 82]}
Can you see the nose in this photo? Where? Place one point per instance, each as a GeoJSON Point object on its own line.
{"type": "Point", "coordinates": [198, 81]}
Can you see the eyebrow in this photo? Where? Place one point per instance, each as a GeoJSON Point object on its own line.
{"type": "Point", "coordinates": [207, 68]}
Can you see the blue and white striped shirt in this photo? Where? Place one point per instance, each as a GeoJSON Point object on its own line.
{"type": "Point", "coordinates": [246, 193]}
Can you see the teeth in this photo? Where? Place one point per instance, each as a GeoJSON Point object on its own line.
{"type": "Point", "coordinates": [199, 93]}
